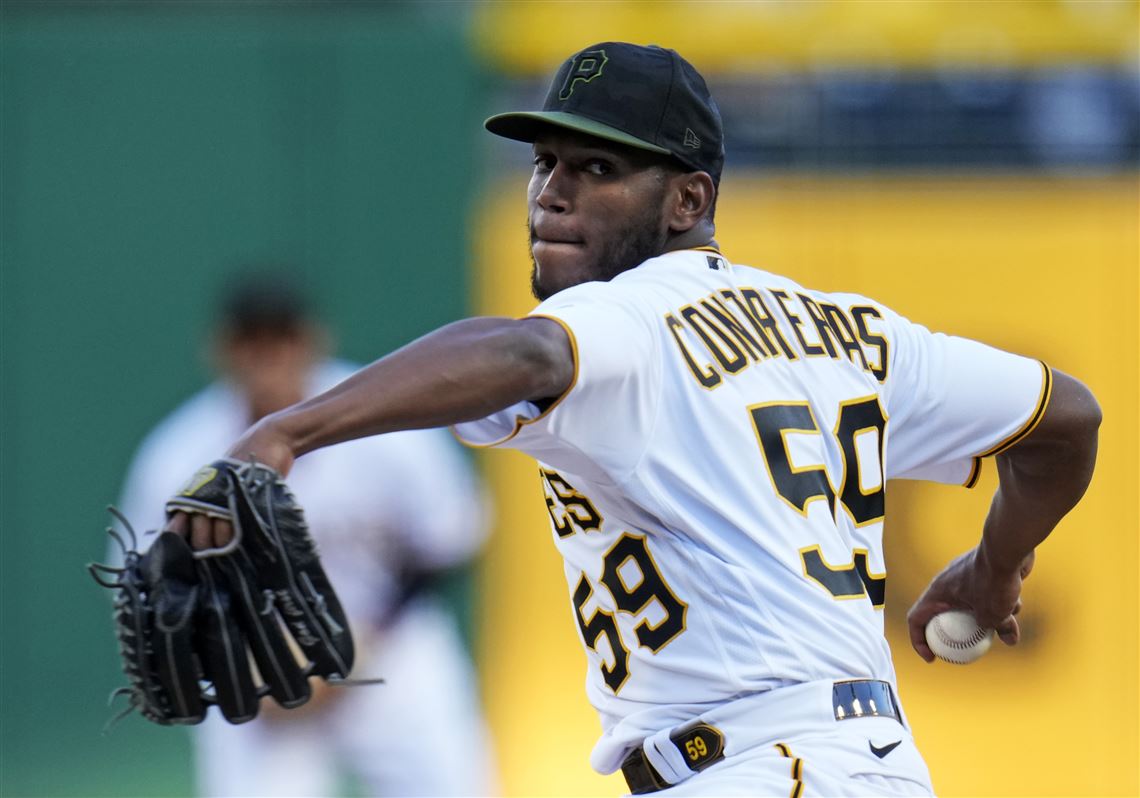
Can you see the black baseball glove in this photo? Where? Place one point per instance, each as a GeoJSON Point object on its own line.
{"type": "Point", "coordinates": [192, 625]}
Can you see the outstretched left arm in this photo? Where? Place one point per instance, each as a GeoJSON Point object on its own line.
{"type": "Point", "coordinates": [1040, 479]}
{"type": "Point", "coordinates": [460, 372]}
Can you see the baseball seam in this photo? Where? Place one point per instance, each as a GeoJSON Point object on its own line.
{"type": "Point", "coordinates": [957, 650]}
{"type": "Point", "coordinates": [971, 641]}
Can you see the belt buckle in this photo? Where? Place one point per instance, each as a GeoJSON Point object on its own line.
{"type": "Point", "coordinates": [863, 698]}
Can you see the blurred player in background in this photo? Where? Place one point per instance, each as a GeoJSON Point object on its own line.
{"type": "Point", "coordinates": [383, 539]}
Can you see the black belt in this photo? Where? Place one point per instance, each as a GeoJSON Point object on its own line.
{"type": "Point", "coordinates": [702, 744]}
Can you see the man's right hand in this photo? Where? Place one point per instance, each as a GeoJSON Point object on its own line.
{"type": "Point", "coordinates": [970, 583]}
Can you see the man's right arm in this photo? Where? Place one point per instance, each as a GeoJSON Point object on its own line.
{"type": "Point", "coordinates": [1040, 479]}
{"type": "Point", "coordinates": [461, 372]}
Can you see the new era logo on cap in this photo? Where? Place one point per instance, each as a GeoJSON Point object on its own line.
{"type": "Point", "coordinates": [691, 139]}
{"type": "Point", "coordinates": [584, 67]}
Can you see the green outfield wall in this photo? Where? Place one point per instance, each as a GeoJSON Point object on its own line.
{"type": "Point", "coordinates": [148, 150]}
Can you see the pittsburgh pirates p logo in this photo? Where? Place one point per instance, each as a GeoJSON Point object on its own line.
{"type": "Point", "coordinates": [585, 66]}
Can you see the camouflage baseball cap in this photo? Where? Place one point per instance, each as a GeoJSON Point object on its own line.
{"type": "Point", "coordinates": [645, 97]}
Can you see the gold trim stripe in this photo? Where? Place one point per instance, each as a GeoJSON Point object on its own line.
{"type": "Point", "coordinates": [975, 472]}
{"type": "Point", "coordinates": [1028, 427]}
{"type": "Point", "coordinates": [797, 770]}
{"type": "Point", "coordinates": [521, 422]}
{"type": "Point", "coordinates": [573, 353]}
{"type": "Point", "coordinates": [1034, 420]}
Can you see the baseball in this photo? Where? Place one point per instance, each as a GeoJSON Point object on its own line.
{"type": "Point", "coordinates": [954, 636]}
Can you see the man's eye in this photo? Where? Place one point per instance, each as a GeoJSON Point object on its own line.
{"type": "Point", "coordinates": [543, 162]}
{"type": "Point", "coordinates": [598, 168]}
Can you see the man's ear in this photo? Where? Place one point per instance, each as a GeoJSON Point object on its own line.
{"type": "Point", "coordinates": [691, 198]}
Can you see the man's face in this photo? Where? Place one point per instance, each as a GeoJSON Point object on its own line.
{"type": "Point", "coordinates": [595, 209]}
{"type": "Point", "coordinates": [269, 367]}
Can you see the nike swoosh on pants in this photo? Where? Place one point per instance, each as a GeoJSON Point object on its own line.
{"type": "Point", "coordinates": [886, 749]}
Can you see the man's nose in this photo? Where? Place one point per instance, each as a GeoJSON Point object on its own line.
{"type": "Point", "coordinates": [555, 192]}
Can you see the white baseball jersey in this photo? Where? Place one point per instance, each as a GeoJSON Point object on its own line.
{"type": "Point", "coordinates": [375, 506]}
{"type": "Point", "coordinates": [715, 476]}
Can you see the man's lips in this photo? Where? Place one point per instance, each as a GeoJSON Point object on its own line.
{"type": "Point", "coordinates": [555, 242]}
{"type": "Point", "coordinates": [554, 238]}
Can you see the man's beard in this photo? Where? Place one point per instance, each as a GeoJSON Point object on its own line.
{"type": "Point", "coordinates": [639, 241]}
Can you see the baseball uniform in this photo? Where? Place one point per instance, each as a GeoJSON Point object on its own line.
{"type": "Point", "coordinates": [375, 506]}
{"type": "Point", "coordinates": [715, 477]}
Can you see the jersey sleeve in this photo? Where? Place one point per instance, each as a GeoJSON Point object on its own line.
{"type": "Point", "coordinates": [952, 401]}
{"type": "Point", "coordinates": [610, 407]}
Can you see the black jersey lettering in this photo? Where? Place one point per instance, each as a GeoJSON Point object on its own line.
{"type": "Point", "coordinates": [845, 334]}
{"type": "Point", "coordinates": [823, 328]}
{"type": "Point", "coordinates": [706, 375]}
{"type": "Point", "coordinates": [716, 308]}
{"type": "Point", "coordinates": [765, 323]}
{"type": "Point", "coordinates": [569, 510]}
{"type": "Point", "coordinates": [796, 322]}
{"type": "Point", "coordinates": [860, 313]}
{"type": "Point", "coordinates": [732, 360]}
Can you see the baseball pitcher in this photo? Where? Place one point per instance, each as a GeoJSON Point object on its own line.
{"type": "Point", "coordinates": [714, 443]}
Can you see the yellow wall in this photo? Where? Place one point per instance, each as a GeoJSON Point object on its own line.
{"type": "Point", "coordinates": [1044, 266]}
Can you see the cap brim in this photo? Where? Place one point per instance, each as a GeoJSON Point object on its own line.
{"type": "Point", "coordinates": [526, 125]}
